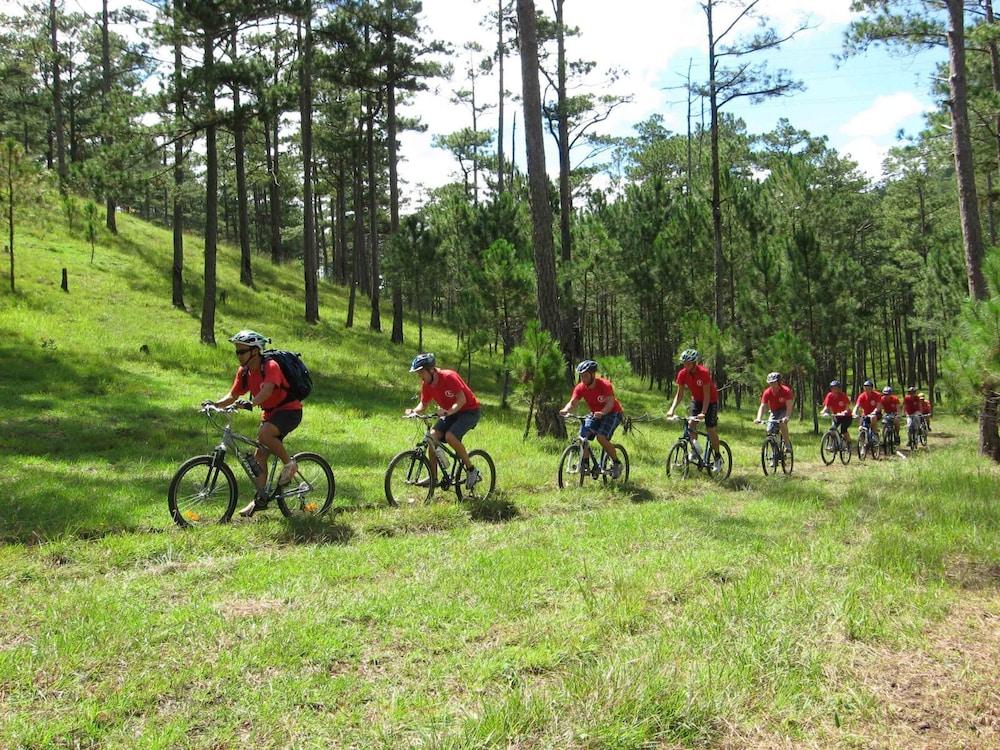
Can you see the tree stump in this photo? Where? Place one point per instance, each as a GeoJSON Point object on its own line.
{"type": "Point", "coordinates": [65, 281]}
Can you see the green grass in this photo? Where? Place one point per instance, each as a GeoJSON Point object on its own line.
{"type": "Point", "coordinates": [659, 614]}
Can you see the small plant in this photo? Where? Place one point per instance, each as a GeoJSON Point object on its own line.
{"type": "Point", "coordinates": [71, 209]}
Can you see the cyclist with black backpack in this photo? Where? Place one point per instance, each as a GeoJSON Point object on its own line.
{"type": "Point", "coordinates": [262, 375]}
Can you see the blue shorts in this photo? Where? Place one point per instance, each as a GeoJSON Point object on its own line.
{"type": "Point", "coordinates": [457, 424]}
{"type": "Point", "coordinates": [593, 426]}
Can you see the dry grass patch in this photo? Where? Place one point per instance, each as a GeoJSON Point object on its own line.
{"type": "Point", "coordinates": [943, 696]}
{"type": "Point", "coordinates": [240, 608]}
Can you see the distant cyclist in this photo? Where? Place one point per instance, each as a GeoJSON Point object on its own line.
{"type": "Point", "coordinates": [458, 411]}
{"type": "Point", "coordinates": [605, 411]}
{"type": "Point", "coordinates": [867, 405]}
{"type": "Point", "coordinates": [838, 404]}
{"type": "Point", "coordinates": [925, 410]}
{"type": "Point", "coordinates": [779, 398]}
{"type": "Point", "coordinates": [697, 380]}
{"type": "Point", "coordinates": [269, 389]}
{"type": "Point", "coordinates": [911, 408]}
{"type": "Point", "coordinates": [889, 408]}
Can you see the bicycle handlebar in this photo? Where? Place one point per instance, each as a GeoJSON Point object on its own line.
{"type": "Point", "coordinates": [210, 408]}
{"type": "Point", "coordinates": [690, 420]}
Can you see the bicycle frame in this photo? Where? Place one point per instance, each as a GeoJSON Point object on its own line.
{"type": "Point", "coordinates": [450, 474]}
{"type": "Point", "coordinates": [231, 441]}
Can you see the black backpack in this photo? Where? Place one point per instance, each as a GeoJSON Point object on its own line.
{"type": "Point", "coordinates": [295, 371]}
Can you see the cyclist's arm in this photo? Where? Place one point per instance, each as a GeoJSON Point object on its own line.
{"type": "Point", "coordinates": [570, 406]}
{"type": "Point", "coordinates": [705, 395]}
{"type": "Point", "coordinates": [418, 409]}
{"type": "Point", "coordinates": [225, 401]}
{"type": "Point", "coordinates": [760, 412]}
{"type": "Point", "coordinates": [789, 406]}
{"type": "Point", "coordinates": [456, 407]}
{"type": "Point", "coordinates": [677, 397]}
{"type": "Point", "coordinates": [263, 394]}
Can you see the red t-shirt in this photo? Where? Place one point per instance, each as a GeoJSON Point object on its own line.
{"type": "Point", "coordinates": [445, 389]}
{"type": "Point", "coordinates": [868, 402]}
{"type": "Point", "coordinates": [777, 396]}
{"type": "Point", "coordinates": [837, 402]}
{"type": "Point", "coordinates": [890, 404]}
{"type": "Point", "coordinates": [597, 395]}
{"type": "Point", "coordinates": [911, 404]}
{"type": "Point", "coordinates": [255, 381]}
{"type": "Point", "coordinates": [695, 381]}
{"type": "Point", "coordinates": [925, 406]}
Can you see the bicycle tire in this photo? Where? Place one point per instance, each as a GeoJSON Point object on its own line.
{"type": "Point", "coordinates": [922, 436]}
{"type": "Point", "coordinates": [828, 448]}
{"type": "Point", "coordinates": [678, 464]}
{"type": "Point", "coordinates": [401, 477]}
{"type": "Point", "coordinates": [192, 508]}
{"type": "Point", "coordinates": [787, 460]}
{"type": "Point", "coordinates": [768, 456]}
{"type": "Point", "coordinates": [606, 464]}
{"type": "Point", "coordinates": [570, 468]}
{"type": "Point", "coordinates": [845, 451]}
{"type": "Point", "coordinates": [311, 491]}
{"type": "Point", "coordinates": [481, 460]}
{"type": "Point", "coordinates": [727, 463]}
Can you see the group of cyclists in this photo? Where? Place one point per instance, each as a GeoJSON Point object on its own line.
{"type": "Point", "coordinates": [458, 409]}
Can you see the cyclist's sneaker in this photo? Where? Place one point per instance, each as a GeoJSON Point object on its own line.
{"type": "Point", "coordinates": [287, 473]}
{"type": "Point", "coordinates": [616, 469]}
{"type": "Point", "coordinates": [472, 478]}
{"type": "Point", "coordinates": [425, 482]}
{"type": "Point", "coordinates": [258, 503]}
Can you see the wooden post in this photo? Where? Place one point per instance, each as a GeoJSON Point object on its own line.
{"type": "Point", "coordinates": [65, 281]}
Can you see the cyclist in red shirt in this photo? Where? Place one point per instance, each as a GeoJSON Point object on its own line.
{"type": "Point", "coordinates": [779, 399]}
{"type": "Point", "coordinates": [911, 407]}
{"type": "Point", "coordinates": [605, 411]}
{"type": "Point", "coordinates": [867, 405]}
{"type": "Point", "coordinates": [837, 404]}
{"type": "Point", "coordinates": [458, 411]}
{"type": "Point", "coordinates": [925, 410]}
{"type": "Point", "coordinates": [889, 407]}
{"type": "Point", "coordinates": [263, 379]}
{"type": "Point", "coordinates": [697, 380]}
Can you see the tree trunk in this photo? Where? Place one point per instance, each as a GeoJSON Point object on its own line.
{"type": "Point", "coordinates": [569, 336]}
{"type": "Point", "coordinates": [211, 196]}
{"type": "Point", "coordinates": [391, 128]}
{"type": "Point", "coordinates": [242, 211]}
{"type": "Point", "coordinates": [109, 201]}
{"type": "Point", "coordinates": [57, 104]}
{"type": "Point", "coordinates": [376, 318]}
{"type": "Point", "coordinates": [178, 222]}
{"type": "Point", "coordinates": [309, 256]}
{"type": "Point", "coordinates": [500, 97]}
{"type": "Point", "coordinates": [340, 241]}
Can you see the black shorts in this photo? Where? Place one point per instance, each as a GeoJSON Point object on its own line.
{"type": "Point", "coordinates": [711, 413]}
{"type": "Point", "coordinates": [844, 423]}
{"type": "Point", "coordinates": [458, 423]}
{"type": "Point", "coordinates": [285, 420]}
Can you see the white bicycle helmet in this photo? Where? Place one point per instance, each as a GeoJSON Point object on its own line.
{"type": "Point", "coordinates": [773, 377]}
{"type": "Point", "coordinates": [251, 338]}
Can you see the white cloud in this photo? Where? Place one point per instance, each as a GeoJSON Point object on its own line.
{"type": "Point", "coordinates": [868, 154]}
{"type": "Point", "coordinates": [884, 116]}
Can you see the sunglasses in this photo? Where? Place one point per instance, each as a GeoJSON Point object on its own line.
{"type": "Point", "coordinates": [241, 352]}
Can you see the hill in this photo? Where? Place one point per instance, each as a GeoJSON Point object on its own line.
{"type": "Point", "coordinates": [843, 607]}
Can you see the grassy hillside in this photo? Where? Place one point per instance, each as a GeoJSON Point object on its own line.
{"type": "Point", "coordinates": [845, 607]}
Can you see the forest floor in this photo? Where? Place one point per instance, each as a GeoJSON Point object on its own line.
{"type": "Point", "coordinates": [848, 606]}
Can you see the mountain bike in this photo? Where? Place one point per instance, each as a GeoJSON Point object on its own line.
{"type": "Point", "coordinates": [408, 479]}
{"type": "Point", "coordinates": [578, 462]}
{"type": "Point", "coordinates": [922, 431]}
{"type": "Point", "coordinates": [834, 444]}
{"type": "Point", "coordinates": [890, 435]}
{"type": "Point", "coordinates": [203, 490]}
{"type": "Point", "coordinates": [686, 453]}
{"type": "Point", "coordinates": [867, 440]}
{"type": "Point", "coordinates": [775, 451]}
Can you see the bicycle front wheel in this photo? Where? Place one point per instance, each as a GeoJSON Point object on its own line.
{"type": "Point", "coordinates": [768, 457]}
{"type": "Point", "coordinates": [483, 487]}
{"type": "Point", "coordinates": [408, 480]}
{"type": "Point", "coordinates": [677, 461]}
{"type": "Point", "coordinates": [607, 464]}
{"type": "Point", "coordinates": [828, 448]}
{"type": "Point", "coordinates": [311, 490]}
{"type": "Point", "coordinates": [727, 462]}
{"type": "Point", "coordinates": [203, 491]}
{"type": "Point", "coordinates": [922, 435]}
{"type": "Point", "coordinates": [787, 459]}
{"type": "Point", "coordinates": [571, 468]}
{"type": "Point", "coordinates": [845, 451]}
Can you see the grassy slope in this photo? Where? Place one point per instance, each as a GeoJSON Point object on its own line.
{"type": "Point", "coordinates": [652, 615]}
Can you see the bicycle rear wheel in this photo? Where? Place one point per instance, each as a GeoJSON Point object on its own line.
{"type": "Point", "coordinates": [571, 468]}
{"type": "Point", "coordinates": [678, 465]}
{"type": "Point", "coordinates": [483, 463]}
{"type": "Point", "coordinates": [727, 462]}
{"type": "Point", "coordinates": [408, 480]}
{"type": "Point", "coordinates": [787, 459]}
{"type": "Point", "coordinates": [828, 448]}
{"type": "Point", "coordinates": [310, 493]}
{"type": "Point", "coordinates": [606, 465]}
{"type": "Point", "coordinates": [202, 491]}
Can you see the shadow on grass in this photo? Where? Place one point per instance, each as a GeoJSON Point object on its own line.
{"type": "Point", "coordinates": [497, 508]}
{"type": "Point", "coordinates": [325, 530]}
